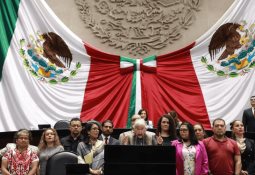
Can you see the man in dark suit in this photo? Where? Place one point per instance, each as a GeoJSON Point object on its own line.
{"type": "Point", "coordinates": [249, 117]}
{"type": "Point", "coordinates": [71, 141]}
{"type": "Point", "coordinates": [107, 130]}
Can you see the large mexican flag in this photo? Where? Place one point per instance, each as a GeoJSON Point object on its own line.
{"type": "Point", "coordinates": [49, 74]}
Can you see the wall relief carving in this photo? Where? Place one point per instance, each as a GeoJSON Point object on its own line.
{"type": "Point", "coordinates": [138, 26]}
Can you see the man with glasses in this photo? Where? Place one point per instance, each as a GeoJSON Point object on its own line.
{"type": "Point", "coordinates": [71, 141]}
{"type": "Point", "coordinates": [223, 153]}
{"type": "Point", "coordinates": [249, 117]}
{"type": "Point", "coordinates": [22, 159]}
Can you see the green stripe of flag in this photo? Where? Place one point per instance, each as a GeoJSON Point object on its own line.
{"type": "Point", "coordinates": [8, 18]}
{"type": "Point", "coordinates": [131, 109]}
{"type": "Point", "coordinates": [149, 58]}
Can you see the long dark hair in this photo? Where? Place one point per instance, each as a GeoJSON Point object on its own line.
{"type": "Point", "coordinates": [192, 136]}
{"type": "Point", "coordinates": [147, 115]}
{"type": "Point", "coordinates": [174, 115]}
{"type": "Point", "coordinates": [88, 127]}
{"type": "Point", "coordinates": [172, 126]}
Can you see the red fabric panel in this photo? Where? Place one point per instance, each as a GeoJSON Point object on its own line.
{"type": "Point", "coordinates": [174, 86]}
{"type": "Point", "coordinates": [107, 93]}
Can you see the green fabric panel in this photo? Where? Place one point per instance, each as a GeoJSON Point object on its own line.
{"type": "Point", "coordinates": [131, 109]}
{"type": "Point", "coordinates": [8, 18]}
{"type": "Point", "coordinates": [150, 58]}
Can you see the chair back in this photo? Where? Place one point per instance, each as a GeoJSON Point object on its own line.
{"type": "Point", "coordinates": [56, 164]}
{"type": "Point", "coordinates": [61, 124]}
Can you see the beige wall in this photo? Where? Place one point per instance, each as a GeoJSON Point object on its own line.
{"type": "Point", "coordinates": [210, 12]}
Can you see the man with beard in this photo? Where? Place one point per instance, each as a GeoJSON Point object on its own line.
{"type": "Point", "coordinates": [223, 153]}
{"type": "Point", "coordinates": [71, 141]}
{"type": "Point", "coordinates": [107, 130]}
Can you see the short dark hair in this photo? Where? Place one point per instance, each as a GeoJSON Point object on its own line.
{"type": "Point", "coordinates": [107, 121]}
{"type": "Point", "coordinates": [18, 133]}
{"type": "Point", "coordinates": [252, 97]}
{"type": "Point", "coordinates": [218, 119]}
{"type": "Point", "coordinates": [75, 119]}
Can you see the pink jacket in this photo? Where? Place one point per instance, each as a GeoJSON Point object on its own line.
{"type": "Point", "coordinates": [201, 161]}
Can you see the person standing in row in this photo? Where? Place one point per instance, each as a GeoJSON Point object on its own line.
{"type": "Point", "coordinates": [223, 153]}
{"type": "Point", "coordinates": [246, 146]}
{"type": "Point", "coordinates": [199, 131]}
{"type": "Point", "coordinates": [191, 156]}
{"type": "Point", "coordinates": [249, 117]}
{"type": "Point", "coordinates": [166, 130]}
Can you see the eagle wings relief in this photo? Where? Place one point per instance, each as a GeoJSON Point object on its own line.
{"type": "Point", "coordinates": [228, 36]}
{"type": "Point", "coordinates": [42, 56]}
{"type": "Point", "coordinates": [54, 46]}
{"type": "Point", "coordinates": [231, 50]}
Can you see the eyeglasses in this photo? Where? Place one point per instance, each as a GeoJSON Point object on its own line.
{"type": "Point", "coordinates": [252, 99]}
{"type": "Point", "coordinates": [95, 129]}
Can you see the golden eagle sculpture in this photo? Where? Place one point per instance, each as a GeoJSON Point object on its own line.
{"type": "Point", "coordinates": [54, 46]}
{"type": "Point", "coordinates": [228, 36]}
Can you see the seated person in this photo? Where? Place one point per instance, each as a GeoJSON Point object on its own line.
{"type": "Point", "coordinates": [144, 115]}
{"type": "Point", "coordinates": [133, 119]}
{"type": "Point", "coordinates": [107, 130]}
{"type": "Point", "coordinates": [140, 136]}
{"type": "Point", "coordinates": [49, 145]}
{"type": "Point", "coordinates": [91, 150]}
{"type": "Point", "coordinates": [20, 160]}
{"type": "Point", "coordinates": [12, 146]}
{"type": "Point", "coordinates": [71, 141]}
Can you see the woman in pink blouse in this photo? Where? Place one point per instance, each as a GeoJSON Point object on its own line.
{"type": "Point", "coordinates": [191, 156]}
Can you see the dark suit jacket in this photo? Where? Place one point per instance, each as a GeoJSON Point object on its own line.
{"type": "Point", "coordinates": [248, 120]}
{"type": "Point", "coordinates": [112, 141]}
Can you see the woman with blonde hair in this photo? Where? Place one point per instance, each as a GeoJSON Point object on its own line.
{"type": "Point", "coordinates": [49, 145]}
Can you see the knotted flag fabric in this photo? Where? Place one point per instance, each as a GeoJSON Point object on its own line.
{"type": "Point", "coordinates": [49, 74]}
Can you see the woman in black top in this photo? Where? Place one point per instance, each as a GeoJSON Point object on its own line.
{"type": "Point", "coordinates": [166, 130]}
{"type": "Point", "coordinates": [246, 147]}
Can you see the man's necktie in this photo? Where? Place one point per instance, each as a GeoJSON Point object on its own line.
{"type": "Point", "coordinates": [106, 140]}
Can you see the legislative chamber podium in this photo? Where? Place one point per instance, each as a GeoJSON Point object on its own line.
{"type": "Point", "coordinates": [139, 160]}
